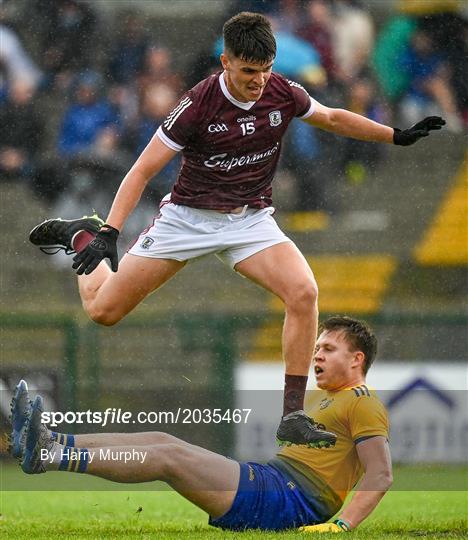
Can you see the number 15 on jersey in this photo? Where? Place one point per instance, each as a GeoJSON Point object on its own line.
{"type": "Point", "coordinates": [247, 128]}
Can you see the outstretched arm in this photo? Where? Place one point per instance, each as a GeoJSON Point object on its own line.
{"type": "Point", "coordinates": [354, 125]}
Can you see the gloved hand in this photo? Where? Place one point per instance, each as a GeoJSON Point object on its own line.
{"type": "Point", "coordinates": [414, 133]}
{"type": "Point", "coordinates": [338, 526]}
{"type": "Point", "coordinates": [102, 247]}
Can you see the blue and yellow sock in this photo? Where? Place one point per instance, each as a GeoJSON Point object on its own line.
{"type": "Point", "coordinates": [63, 439]}
{"type": "Point", "coordinates": [74, 459]}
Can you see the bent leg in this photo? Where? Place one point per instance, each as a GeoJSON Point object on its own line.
{"type": "Point", "coordinates": [283, 270]}
{"type": "Point", "coordinates": [108, 296]}
{"type": "Point", "coordinates": [207, 479]}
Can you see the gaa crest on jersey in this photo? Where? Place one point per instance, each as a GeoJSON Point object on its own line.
{"type": "Point", "coordinates": [217, 128]}
{"type": "Point", "coordinates": [275, 118]}
{"type": "Point", "coordinates": [147, 242]}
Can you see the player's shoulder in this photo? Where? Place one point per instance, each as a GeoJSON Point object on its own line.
{"type": "Point", "coordinates": [364, 398]}
{"type": "Point", "coordinates": [360, 391]}
{"type": "Point", "coordinates": [205, 89]}
{"type": "Point", "coordinates": [193, 104]}
{"type": "Point", "coordinates": [282, 83]}
{"type": "Point", "coordinates": [360, 394]}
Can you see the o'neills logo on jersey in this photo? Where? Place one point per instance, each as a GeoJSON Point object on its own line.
{"type": "Point", "coordinates": [219, 162]}
{"type": "Point", "coordinates": [250, 118]}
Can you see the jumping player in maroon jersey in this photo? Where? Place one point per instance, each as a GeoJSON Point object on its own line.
{"type": "Point", "coordinates": [229, 128]}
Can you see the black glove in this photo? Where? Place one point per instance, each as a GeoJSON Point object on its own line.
{"type": "Point", "coordinates": [421, 129]}
{"type": "Point", "coordinates": [102, 247]}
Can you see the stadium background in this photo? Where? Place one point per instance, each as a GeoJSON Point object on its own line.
{"type": "Point", "coordinates": [385, 229]}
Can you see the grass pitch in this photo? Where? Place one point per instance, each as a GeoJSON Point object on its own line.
{"type": "Point", "coordinates": [165, 515]}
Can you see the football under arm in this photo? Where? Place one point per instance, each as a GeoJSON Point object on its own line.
{"type": "Point", "coordinates": [349, 124]}
{"type": "Point", "coordinates": [374, 455]}
{"type": "Point", "coordinates": [153, 159]}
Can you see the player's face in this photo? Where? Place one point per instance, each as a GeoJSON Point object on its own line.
{"type": "Point", "coordinates": [245, 80]}
{"type": "Point", "coordinates": [336, 366]}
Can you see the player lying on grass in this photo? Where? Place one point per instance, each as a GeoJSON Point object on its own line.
{"type": "Point", "coordinates": [229, 128]}
{"type": "Point", "coordinates": [299, 487]}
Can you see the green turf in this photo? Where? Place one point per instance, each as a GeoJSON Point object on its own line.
{"type": "Point", "coordinates": [164, 514]}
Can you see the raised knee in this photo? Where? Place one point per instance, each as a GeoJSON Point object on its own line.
{"type": "Point", "coordinates": [105, 317]}
{"type": "Point", "coordinates": [303, 296]}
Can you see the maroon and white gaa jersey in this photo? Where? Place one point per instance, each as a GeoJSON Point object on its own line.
{"type": "Point", "coordinates": [231, 148]}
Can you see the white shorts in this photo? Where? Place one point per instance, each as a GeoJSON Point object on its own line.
{"type": "Point", "coordinates": [184, 233]}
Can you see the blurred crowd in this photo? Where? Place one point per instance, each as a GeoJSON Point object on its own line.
{"type": "Point", "coordinates": [82, 94]}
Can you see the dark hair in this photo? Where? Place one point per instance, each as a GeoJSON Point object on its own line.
{"type": "Point", "coordinates": [249, 36]}
{"type": "Point", "coordinates": [357, 333]}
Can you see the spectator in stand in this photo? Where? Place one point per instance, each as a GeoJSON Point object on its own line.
{"type": "Point", "coordinates": [21, 134]}
{"type": "Point", "coordinates": [69, 38]}
{"type": "Point", "coordinates": [158, 70]}
{"type": "Point", "coordinates": [353, 34]}
{"type": "Point", "coordinates": [88, 145]}
{"type": "Point", "coordinates": [157, 80]}
{"type": "Point", "coordinates": [17, 65]}
{"type": "Point", "coordinates": [157, 101]}
{"type": "Point", "coordinates": [358, 159]}
{"type": "Point", "coordinates": [301, 157]}
{"type": "Point", "coordinates": [130, 49]}
{"type": "Point", "coordinates": [86, 117]}
{"type": "Point", "coordinates": [318, 31]}
{"type": "Point", "coordinates": [291, 13]}
{"type": "Point", "coordinates": [449, 33]}
{"type": "Point", "coordinates": [92, 177]}
{"type": "Point", "coordinates": [392, 42]}
{"type": "Point", "coordinates": [430, 91]}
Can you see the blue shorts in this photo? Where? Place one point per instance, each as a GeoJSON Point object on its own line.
{"type": "Point", "coordinates": [267, 499]}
